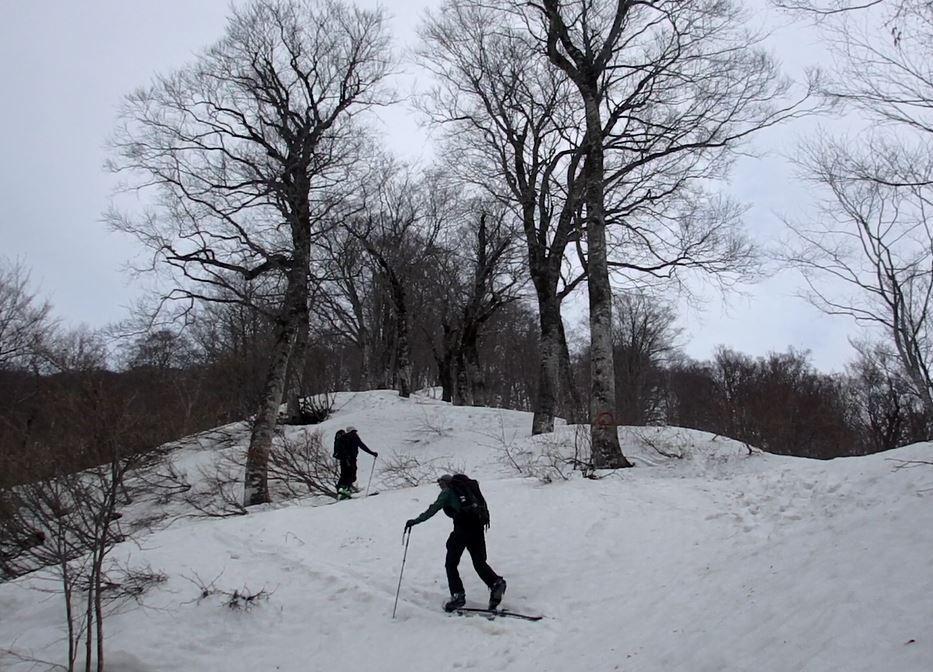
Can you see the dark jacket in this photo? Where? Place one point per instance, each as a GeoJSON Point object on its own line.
{"type": "Point", "coordinates": [348, 446]}
{"type": "Point", "coordinates": [446, 500]}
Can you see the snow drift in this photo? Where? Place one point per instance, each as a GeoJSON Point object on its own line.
{"type": "Point", "coordinates": [707, 556]}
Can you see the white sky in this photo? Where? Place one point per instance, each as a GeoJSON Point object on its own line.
{"type": "Point", "coordinates": [65, 66]}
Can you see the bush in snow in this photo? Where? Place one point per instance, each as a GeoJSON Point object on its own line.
{"type": "Point", "coordinates": [548, 457]}
{"type": "Point", "coordinates": [300, 465]}
{"type": "Point", "coordinates": [407, 471]}
{"type": "Point", "coordinates": [239, 599]}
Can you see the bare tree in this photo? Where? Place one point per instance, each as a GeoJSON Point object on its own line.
{"type": "Point", "coordinates": [506, 127]}
{"type": "Point", "coordinates": [873, 233]}
{"type": "Point", "coordinates": [475, 272]}
{"type": "Point", "coordinates": [493, 281]}
{"type": "Point", "coordinates": [77, 349]}
{"type": "Point", "coordinates": [397, 234]}
{"type": "Point", "coordinates": [25, 321]}
{"type": "Point", "coordinates": [664, 89]}
{"type": "Point", "coordinates": [873, 242]}
{"type": "Point", "coordinates": [643, 339]}
{"type": "Point", "coordinates": [242, 147]}
{"type": "Point", "coordinates": [70, 521]}
{"type": "Point", "coordinates": [348, 306]}
{"type": "Point", "coordinates": [883, 50]}
{"type": "Point", "coordinates": [886, 410]}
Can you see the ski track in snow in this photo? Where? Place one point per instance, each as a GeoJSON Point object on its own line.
{"type": "Point", "coordinates": [722, 559]}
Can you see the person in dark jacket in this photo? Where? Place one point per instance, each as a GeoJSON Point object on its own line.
{"type": "Point", "coordinates": [467, 534]}
{"type": "Point", "coordinates": [347, 445]}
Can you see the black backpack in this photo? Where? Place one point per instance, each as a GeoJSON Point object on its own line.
{"type": "Point", "coordinates": [339, 448]}
{"type": "Point", "coordinates": [472, 503]}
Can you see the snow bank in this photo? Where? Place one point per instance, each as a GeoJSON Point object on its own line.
{"type": "Point", "coordinates": [708, 556]}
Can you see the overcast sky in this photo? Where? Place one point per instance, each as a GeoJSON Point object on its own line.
{"type": "Point", "coordinates": [65, 66]}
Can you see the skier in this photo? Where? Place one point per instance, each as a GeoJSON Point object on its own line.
{"type": "Point", "coordinates": [470, 516]}
{"type": "Point", "coordinates": [347, 445]}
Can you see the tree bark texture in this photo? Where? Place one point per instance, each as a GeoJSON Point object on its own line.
{"type": "Point", "coordinates": [585, 67]}
{"type": "Point", "coordinates": [403, 344]}
{"type": "Point", "coordinates": [296, 369]}
{"type": "Point", "coordinates": [291, 320]}
{"type": "Point", "coordinates": [545, 407]}
{"type": "Point", "coordinates": [256, 489]}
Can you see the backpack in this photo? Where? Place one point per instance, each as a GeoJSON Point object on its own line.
{"type": "Point", "coordinates": [339, 449]}
{"type": "Point", "coordinates": [472, 503]}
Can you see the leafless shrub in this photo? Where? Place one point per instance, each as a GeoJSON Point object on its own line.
{"type": "Point", "coordinates": [70, 524]}
{"type": "Point", "coordinates": [300, 465]}
{"type": "Point", "coordinates": [218, 493]}
{"type": "Point", "coordinates": [547, 457]}
{"type": "Point", "coordinates": [433, 422]}
{"type": "Point", "coordinates": [240, 599]}
{"type": "Point", "coordinates": [656, 444]}
{"type": "Point", "coordinates": [408, 471]}
{"type": "Point", "coordinates": [166, 481]}
{"type": "Point", "coordinates": [124, 582]}
{"type": "Point", "coordinates": [217, 438]}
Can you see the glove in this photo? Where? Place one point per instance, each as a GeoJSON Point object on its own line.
{"type": "Point", "coordinates": [409, 524]}
{"type": "Point", "coordinates": [375, 454]}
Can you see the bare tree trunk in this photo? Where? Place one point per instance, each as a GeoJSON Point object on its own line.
{"type": "Point", "coordinates": [606, 451]}
{"type": "Point", "coordinates": [292, 319]}
{"type": "Point", "coordinates": [364, 380]}
{"type": "Point", "coordinates": [471, 386]}
{"type": "Point", "coordinates": [256, 490]}
{"type": "Point", "coordinates": [464, 393]}
{"type": "Point", "coordinates": [296, 368]}
{"type": "Point", "coordinates": [68, 589]}
{"type": "Point", "coordinates": [445, 362]}
{"type": "Point", "coordinates": [97, 581]}
{"type": "Point", "coordinates": [89, 628]}
{"type": "Point", "coordinates": [569, 394]}
{"type": "Point", "coordinates": [545, 405]}
{"type": "Point", "coordinates": [403, 345]}
{"type": "Point", "coordinates": [906, 343]}
{"type": "Point", "coordinates": [474, 371]}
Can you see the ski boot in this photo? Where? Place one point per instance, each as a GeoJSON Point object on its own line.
{"type": "Point", "coordinates": [495, 595]}
{"type": "Point", "coordinates": [343, 493]}
{"type": "Point", "coordinates": [456, 601]}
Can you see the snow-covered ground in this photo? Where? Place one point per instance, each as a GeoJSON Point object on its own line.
{"type": "Point", "coordinates": [714, 557]}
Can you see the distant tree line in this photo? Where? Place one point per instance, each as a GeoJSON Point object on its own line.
{"type": "Point", "coordinates": [171, 384]}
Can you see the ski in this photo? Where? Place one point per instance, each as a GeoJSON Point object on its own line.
{"type": "Point", "coordinates": [345, 499]}
{"type": "Point", "coordinates": [492, 613]}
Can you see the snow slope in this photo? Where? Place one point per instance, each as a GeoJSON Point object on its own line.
{"type": "Point", "coordinates": [721, 559]}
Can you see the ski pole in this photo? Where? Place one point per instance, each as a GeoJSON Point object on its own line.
{"type": "Point", "coordinates": [407, 537]}
{"type": "Point", "coordinates": [371, 472]}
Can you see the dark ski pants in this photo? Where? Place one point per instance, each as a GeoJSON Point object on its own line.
{"type": "Point", "coordinates": [473, 539]}
{"type": "Point", "coordinates": [347, 474]}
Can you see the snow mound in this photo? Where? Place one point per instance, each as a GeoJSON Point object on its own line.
{"type": "Point", "coordinates": [707, 556]}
